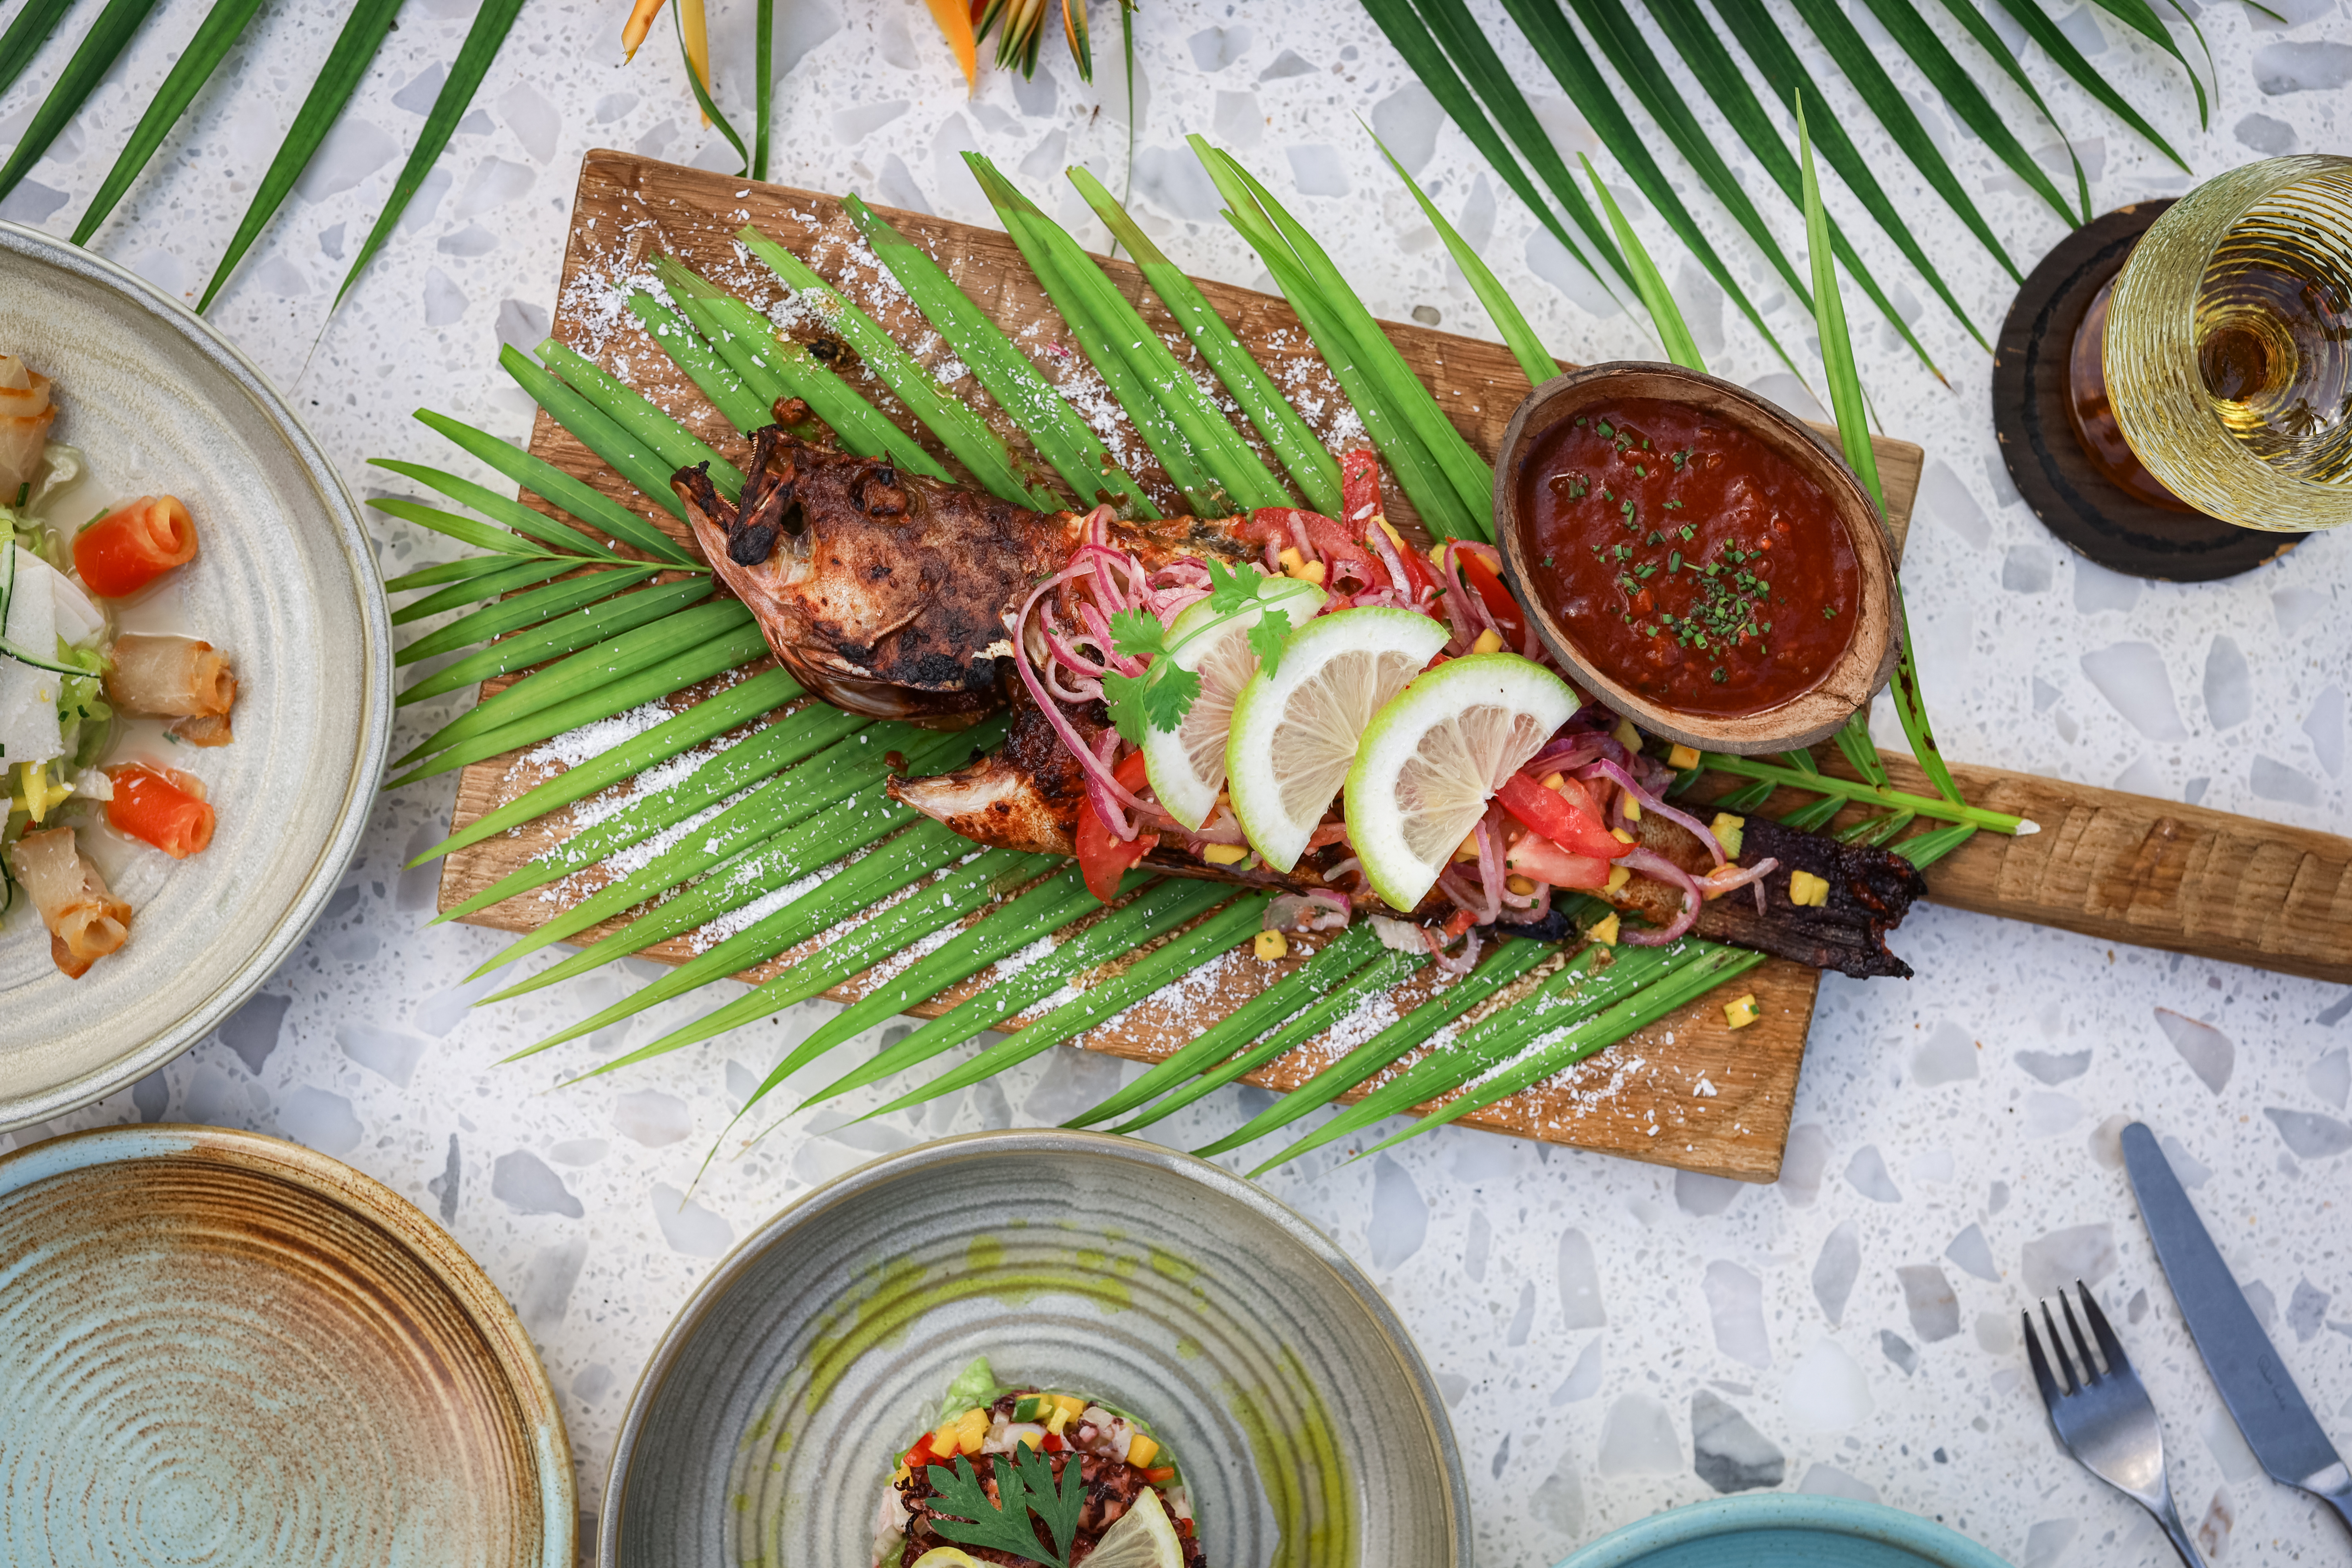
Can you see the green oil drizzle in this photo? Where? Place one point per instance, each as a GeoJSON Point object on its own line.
{"type": "Point", "coordinates": [1301, 1469]}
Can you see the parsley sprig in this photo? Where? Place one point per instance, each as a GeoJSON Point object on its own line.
{"type": "Point", "coordinates": [963, 1512]}
{"type": "Point", "coordinates": [1161, 696]}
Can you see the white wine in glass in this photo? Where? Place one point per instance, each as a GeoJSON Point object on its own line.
{"type": "Point", "coordinates": [2227, 349]}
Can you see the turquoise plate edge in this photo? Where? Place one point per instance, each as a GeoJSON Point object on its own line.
{"type": "Point", "coordinates": [1741, 1520]}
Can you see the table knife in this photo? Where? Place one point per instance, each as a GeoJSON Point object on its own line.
{"type": "Point", "coordinates": [2269, 1409]}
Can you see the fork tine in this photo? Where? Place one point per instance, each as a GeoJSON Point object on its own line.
{"type": "Point", "coordinates": [2082, 1341]}
{"type": "Point", "coordinates": [2041, 1377]}
{"type": "Point", "coordinates": [2109, 1346]}
{"type": "Point", "coordinates": [2058, 1348]}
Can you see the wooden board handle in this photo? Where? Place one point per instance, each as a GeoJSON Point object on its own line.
{"type": "Point", "coordinates": [2124, 868]}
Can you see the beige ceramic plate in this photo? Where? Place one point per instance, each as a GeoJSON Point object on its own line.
{"type": "Point", "coordinates": [1308, 1429]}
{"type": "Point", "coordinates": [219, 1348]}
{"type": "Point", "coordinates": [286, 584]}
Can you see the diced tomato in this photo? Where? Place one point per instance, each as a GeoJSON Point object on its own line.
{"type": "Point", "coordinates": [125, 551]}
{"type": "Point", "coordinates": [1566, 816]}
{"type": "Point", "coordinates": [1510, 619]}
{"type": "Point", "coordinates": [167, 810]}
{"type": "Point", "coordinates": [1160, 1475]}
{"type": "Point", "coordinates": [1359, 487]}
{"type": "Point", "coordinates": [1538, 856]}
{"type": "Point", "coordinates": [1053, 1443]}
{"type": "Point", "coordinates": [1103, 857]}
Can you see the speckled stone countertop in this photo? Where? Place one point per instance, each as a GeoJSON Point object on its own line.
{"type": "Point", "coordinates": [1611, 1340]}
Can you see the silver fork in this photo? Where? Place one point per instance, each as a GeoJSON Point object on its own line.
{"type": "Point", "coordinates": [2105, 1419]}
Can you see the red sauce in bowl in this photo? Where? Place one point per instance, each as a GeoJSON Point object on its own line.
{"type": "Point", "coordinates": [1692, 564]}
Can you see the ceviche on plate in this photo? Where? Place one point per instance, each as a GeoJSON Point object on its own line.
{"type": "Point", "coordinates": [104, 705]}
{"type": "Point", "coordinates": [1036, 1478]}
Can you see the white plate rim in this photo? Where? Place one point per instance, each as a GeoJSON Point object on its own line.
{"type": "Point", "coordinates": [168, 314]}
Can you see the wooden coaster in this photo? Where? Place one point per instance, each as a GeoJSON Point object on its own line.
{"type": "Point", "coordinates": [2073, 499]}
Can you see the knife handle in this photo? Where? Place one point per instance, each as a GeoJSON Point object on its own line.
{"type": "Point", "coordinates": [2334, 1486]}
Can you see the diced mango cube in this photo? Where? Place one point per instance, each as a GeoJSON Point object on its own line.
{"type": "Point", "coordinates": [1141, 1450]}
{"type": "Point", "coordinates": [1742, 1013]}
{"type": "Point", "coordinates": [1555, 780]}
{"type": "Point", "coordinates": [1730, 832]}
{"type": "Point", "coordinates": [1604, 932]}
{"type": "Point", "coordinates": [1271, 944]}
{"type": "Point", "coordinates": [1490, 641]}
{"type": "Point", "coordinates": [1632, 809]}
{"type": "Point", "coordinates": [1380, 520]}
{"type": "Point", "coordinates": [1680, 757]}
{"type": "Point", "coordinates": [1224, 853]}
{"type": "Point", "coordinates": [1291, 558]}
{"type": "Point", "coordinates": [944, 1440]}
{"type": "Point", "coordinates": [1618, 878]}
{"type": "Point", "coordinates": [1468, 849]}
{"type": "Point", "coordinates": [1626, 735]}
{"type": "Point", "coordinates": [971, 1430]}
{"type": "Point", "coordinates": [1808, 889]}
{"type": "Point", "coordinates": [1520, 885]}
{"type": "Point", "coordinates": [1621, 835]}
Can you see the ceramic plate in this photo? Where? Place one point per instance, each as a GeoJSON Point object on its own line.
{"type": "Point", "coordinates": [219, 1348]}
{"type": "Point", "coordinates": [1784, 1530]}
{"type": "Point", "coordinates": [1309, 1430]}
{"type": "Point", "coordinates": [286, 584]}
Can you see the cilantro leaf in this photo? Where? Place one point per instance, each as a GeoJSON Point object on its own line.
{"type": "Point", "coordinates": [1266, 637]}
{"type": "Point", "coordinates": [1169, 694]}
{"type": "Point", "coordinates": [1138, 634]}
{"type": "Point", "coordinates": [962, 1512]}
{"type": "Point", "coordinates": [1157, 700]}
{"type": "Point", "coordinates": [1231, 588]}
{"type": "Point", "coordinates": [1124, 695]}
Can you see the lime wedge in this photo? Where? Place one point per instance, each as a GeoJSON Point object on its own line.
{"type": "Point", "coordinates": [1143, 1537]}
{"type": "Point", "coordinates": [1433, 758]}
{"type": "Point", "coordinates": [1295, 731]}
{"type": "Point", "coordinates": [1186, 765]}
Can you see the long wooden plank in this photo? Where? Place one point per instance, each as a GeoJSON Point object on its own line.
{"type": "Point", "coordinates": [1689, 1092]}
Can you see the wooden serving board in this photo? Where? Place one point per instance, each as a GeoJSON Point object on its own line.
{"type": "Point", "coordinates": [1688, 1092]}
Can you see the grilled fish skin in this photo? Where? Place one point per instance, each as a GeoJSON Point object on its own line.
{"type": "Point", "coordinates": [887, 593]}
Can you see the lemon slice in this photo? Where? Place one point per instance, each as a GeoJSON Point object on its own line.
{"type": "Point", "coordinates": [948, 1557]}
{"type": "Point", "coordinates": [1186, 765]}
{"type": "Point", "coordinates": [1295, 731]}
{"type": "Point", "coordinates": [1433, 758]}
{"type": "Point", "coordinates": [1144, 1536]}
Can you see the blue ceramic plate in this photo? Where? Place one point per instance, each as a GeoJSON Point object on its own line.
{"type": "Point", "coordinates": [1784, 1530]}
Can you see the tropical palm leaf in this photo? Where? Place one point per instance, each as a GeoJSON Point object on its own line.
{"type": "Point", "coordinates": [1559, 48]}
{"type": "Point", "coordinates": [331, 91]}
{"type": "Point", "coordinates": [1687, 29]}
{"type": "Point", "coordinates": [26, 34]}
{"type": "Point", "coordinates": [91, 59]}
{"type": "Point", "coordinates": [2028, 14]}
{"type": "Point", "coordinates": [488, 34]}
{"type": "Point", "coordinates": [1417, 42]}
{"type": "Point", "coordinates": [219, 29]}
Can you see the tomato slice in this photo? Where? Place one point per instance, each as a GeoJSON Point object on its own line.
{"type": "Point", "coordinates": [1103, 856]}
{"type": "Point", "coordinates": [1359, 487]}
{"type": "Point", "coordinates": [1510, 619]}
{"type": "Point", "coordinates": [1538, 856]}
{"type": "Point", "coordinates": [1567, 815]}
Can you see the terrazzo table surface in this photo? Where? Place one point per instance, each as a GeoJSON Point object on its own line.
{"type": "Point", "coordinates": [1611, 1339]}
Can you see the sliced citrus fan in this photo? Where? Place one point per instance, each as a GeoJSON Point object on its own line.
{"type": "Point", "coordinates": [1143, 1538]}
{"type": "Point", "coordinates": [1433, 757]}
{"type": "Point", "coordinates": [1295, 731]}
{"type": "Point", "coordinates": [1186, 765]}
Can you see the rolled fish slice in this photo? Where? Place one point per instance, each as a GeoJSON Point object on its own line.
{"type": "Point", "coordinates": [26, 415]}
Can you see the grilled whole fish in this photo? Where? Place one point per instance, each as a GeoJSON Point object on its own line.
{"type": "Point", "coordinates": [889, 594]}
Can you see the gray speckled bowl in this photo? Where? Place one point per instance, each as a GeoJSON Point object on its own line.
{"type": "Point", "coordinates": [1308, 1429]}
{"type": "Point", "coordinates": [286, 584]}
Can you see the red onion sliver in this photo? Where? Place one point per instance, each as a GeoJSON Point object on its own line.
{"type": "Point", "coordinates": [1616, 774]}
{"type": "Point", "coordinates": [1649, 863]}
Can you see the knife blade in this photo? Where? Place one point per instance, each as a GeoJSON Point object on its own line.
{"type": "Point", "coordinates": [2254, 1383]}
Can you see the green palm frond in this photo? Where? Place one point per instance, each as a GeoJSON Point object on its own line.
{"type": "Point", "coordinates": [32, 29]}
{"type": "Point", "coordinates": [1416, 40]}
{"type": "Point", "coordinates": [339, 76]}
{"type": "Point", "coordinates": [2028, 14]}
{"type": "Point", "coordinates": [1564, 54]}
{"type": "Point", "coordinates": [189, 73]}
{"type": "Point", "coordinates": [91, 59]}
{"type": "Point", "coordinates": [488, 34]}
